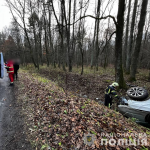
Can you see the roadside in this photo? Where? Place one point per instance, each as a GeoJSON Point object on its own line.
{"type": "Point", "coordinates": [12, 134]}
{"type": "Point", "coordinates": [58, 119]}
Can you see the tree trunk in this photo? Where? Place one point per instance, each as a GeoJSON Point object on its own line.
{"type": "Point", "coordinates": [97, 33]}
{"type": "Point", "coordinates": [82, 58]}
{"type": "Point", "coordinates": [73, 34]}
{"type": "Point", "coordinates": [68, 40]}
{"type": "Point", "coordinates": [118, 47]}
{"type": "Point", "coordinates": [126, 36]}
{"type": "Point", "coordinates": [30, 47]}
{"type": "Point", "coordinates": [46, 44]}
{"type": "Point", "coordinates": [50, 36]}
{"type": "Point", "coordinates": [36, 47]}
{"type": "Point", "coordinates": [45, 36]}
{"type": "Point", "coordinates": [129, 50]}
{"type": "Point", "coordinates": [138, 40]}
{"type": "Point", "coordinates": [93, 44]}
{"type": "Point", "coordinates": [62, 35]}
{"type": "Point", "coordinates": [40, 44]}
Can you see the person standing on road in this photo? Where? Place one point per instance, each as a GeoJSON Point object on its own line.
{"type": "Point", "coordinates": [16, 68]}
{"type": "Point", "coordinates": [110, 91]}
{"type": "Point", "coordinates": [10, 71]}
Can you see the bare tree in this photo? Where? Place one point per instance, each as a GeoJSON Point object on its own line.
{"type": "Point", "coordinates": [18, 7]}
{"type": "Point", "coordinates": [136, 51]}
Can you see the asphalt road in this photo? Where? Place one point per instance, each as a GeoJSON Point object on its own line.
{"type": "Point", "coordinates": [12, 135]}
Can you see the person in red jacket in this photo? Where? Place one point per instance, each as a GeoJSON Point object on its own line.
{"type": "Point", "coordinates": [10, 71]}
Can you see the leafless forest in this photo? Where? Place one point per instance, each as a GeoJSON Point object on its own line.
{"type": "Point", "coordinates": [73, 33]}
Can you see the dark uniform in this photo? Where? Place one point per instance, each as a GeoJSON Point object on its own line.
{"type": "Point", "coordinates": [16, 68]}
{"type": "Point", "coordinates": [110, 91]}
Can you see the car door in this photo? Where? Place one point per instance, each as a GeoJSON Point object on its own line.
{"type": "Point", "coordinates": [1, 65]}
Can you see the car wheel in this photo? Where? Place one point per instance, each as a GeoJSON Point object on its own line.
{"type": "Point", "coordinates": [137, 93]}
{"type": "Point", "coordinates": [147, 118]}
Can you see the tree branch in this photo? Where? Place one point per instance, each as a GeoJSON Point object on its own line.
{"type": "Point", "coordinates": [107, 42]}
{"type": "Point", "coordinates": [109, 16]}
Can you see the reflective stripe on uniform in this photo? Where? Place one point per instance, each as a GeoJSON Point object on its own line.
{"type": "Point", "coordinates": [107, 92]}
{"type": "Point", "coordinates": [10, 71]}
{"type": "Point", "coordinates": [9, 67]}
{"type": "Point", "coordinates": [116, 95]}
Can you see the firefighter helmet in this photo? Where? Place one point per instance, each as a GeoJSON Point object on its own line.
{"type": "Point", "coordinates": [115, 84]}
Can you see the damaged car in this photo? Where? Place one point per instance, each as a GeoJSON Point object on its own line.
{"type": "Point", "coordinates": [136, 104]}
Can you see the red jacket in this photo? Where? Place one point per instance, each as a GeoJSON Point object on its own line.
{"type": "Point", "coordinates": [10, 67]}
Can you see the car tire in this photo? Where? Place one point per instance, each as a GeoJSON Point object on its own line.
{"type": "Point", "coordinates": [137, 93]}
{"type": "Point", "coordinates": [147, 118]}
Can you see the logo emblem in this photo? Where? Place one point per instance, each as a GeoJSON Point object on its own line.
{"type": "Point", "coordinates": [89, 139]}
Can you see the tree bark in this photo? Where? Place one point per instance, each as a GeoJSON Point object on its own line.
{"type": "Point", "coordinates": [129, 50]}
{"type": "Point", "coordinates": [68, 40]}
{"type": "Point", "coordinates": [62, 35]}
{"type": "Point", "coordinates": [97, 33]}
{"type": "Point", "coordinates": [118, 46]}
{"type": "Point", "coordinates": [93, 44]}
{"type": "Point", "coordinates": [73, 28]}
{"type": "Point", "coordinates": [50, 36]}
{"type": "Point", "coordinates": [35, 37]}
{"type": "Point", "coordinates": [126, 36]}
{"type": "Point", "coordinates": [45, 37]}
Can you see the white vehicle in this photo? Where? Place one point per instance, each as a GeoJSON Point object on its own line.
{"type": "Point", "coordinates": [1, 65]}
{"type": "Point", "coordinates": [138, 108]}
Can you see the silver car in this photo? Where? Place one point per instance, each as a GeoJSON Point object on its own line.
{"type": "Point", "coordinates": [135, 109]}
{"type": "Point", "coordinates": [136, 105]}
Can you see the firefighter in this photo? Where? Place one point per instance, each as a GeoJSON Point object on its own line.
{"type": "Point", "coordinates": [111, 91]}
{"type": "Point", "coordinates": [10, 71]}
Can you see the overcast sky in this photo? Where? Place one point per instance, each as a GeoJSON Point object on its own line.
{"type": "Point", "coordinates": [5, 15]}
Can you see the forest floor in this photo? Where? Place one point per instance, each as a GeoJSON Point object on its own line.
{"type": "Point", "coordinates": [60, 107]}
{"type": "Point", "coordinates": [91, 84]}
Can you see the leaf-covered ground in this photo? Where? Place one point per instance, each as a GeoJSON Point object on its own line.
{"type": "Point", "coordinates": [92, 84]}
{"type": "Point", "coordinates": [58, 119]}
